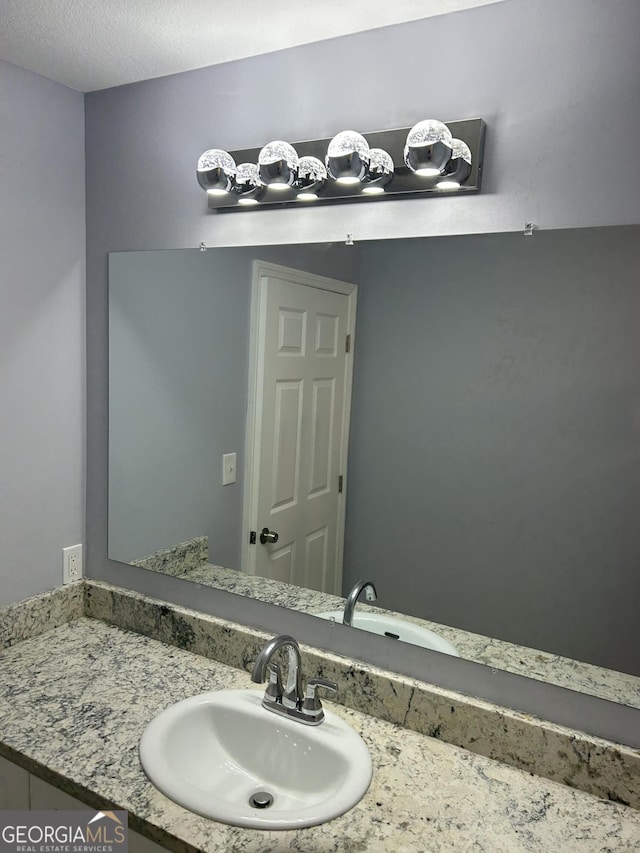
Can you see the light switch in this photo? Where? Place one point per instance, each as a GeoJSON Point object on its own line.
{"type": "Point", "coordinates": [228, 469]}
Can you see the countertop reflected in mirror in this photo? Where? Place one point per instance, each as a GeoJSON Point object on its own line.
{"type": "Point", "coordinates": [494, 452]}
{"type": "Point", "coordinates": [609, 684]}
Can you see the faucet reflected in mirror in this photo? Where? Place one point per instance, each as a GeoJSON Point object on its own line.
{"type": "Point", "coordinates": [493, 439]}
{"type": "Point", "coordinates": [352, 599]}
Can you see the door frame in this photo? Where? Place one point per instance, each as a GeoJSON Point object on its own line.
{"type": "Point", "coordinates": [261, 271]}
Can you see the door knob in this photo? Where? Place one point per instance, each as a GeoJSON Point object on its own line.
{"type": "Point", "coordinates": [269, 536]}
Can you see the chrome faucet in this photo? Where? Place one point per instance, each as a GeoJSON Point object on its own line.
{"type": "Point", "coordinates": [292, 694]}
{"type": "Point", "coordinates": [289, 701]}
{"type": "Point", "coordinates": [362, 586]}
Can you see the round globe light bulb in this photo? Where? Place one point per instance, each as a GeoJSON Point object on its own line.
{"type": "Point", "coordinates": [278, 164]}
{"type": "Point", "coordinates": [215, 158]}
{"type": "Point", "coordinates": [459, 148]}
{"type": "Point", "coordinates": [247, 185]}
{"type": "Point", "coordinates": [348, 142]}
{"type": "Point", "coordinates": [458, 169]}
{"type": "Point", "coordinates": [429, 132]}
{"type": "Point", "coordinates": [216, 171]}
{"type": "Point", "coordinates": [379, 173]}
{"type": "Point", "coordinates": [428, 147]}
{"type": "Point", "coordinates": [348, 157]}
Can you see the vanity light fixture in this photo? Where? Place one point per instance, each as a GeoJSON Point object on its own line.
{"type": "Point", "coordinates": [409, 162]}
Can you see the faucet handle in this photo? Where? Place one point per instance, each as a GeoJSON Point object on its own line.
{"type": "Point", "coordinates": [312, 706]}
{"type": "Point", "coordinates": [273, 693]}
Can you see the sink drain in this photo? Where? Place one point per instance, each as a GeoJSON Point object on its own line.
{"type": "Point", "coordinates": [261, 800]}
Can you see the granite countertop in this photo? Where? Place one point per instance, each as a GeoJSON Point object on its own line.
{"type": "Point", "coordinates": [75, 700]}
{"type": "Point", "coordinates": [189, 561]}
{"type": "Point", "coordinates": [534, 663]}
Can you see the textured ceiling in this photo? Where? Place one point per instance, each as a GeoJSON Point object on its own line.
{"type": "Point", "coordinates": [95, 44]}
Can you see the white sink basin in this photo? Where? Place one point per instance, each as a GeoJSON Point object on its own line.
{"type": "Point", "coordinates": [397, 629]}
{"type": "Point", "coordinates": [213, 752]}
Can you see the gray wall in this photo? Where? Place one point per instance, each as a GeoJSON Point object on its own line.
{"type": "Point", "coordinates": [177, 383]}
{"type": "Point", "coordinates": [495, 444]}
{"type": "Point", "coordinates": [553, 91]}
{"type": "Point", "coordinates": [178, 370]}
{"type": "Point", "coordinates": [41, 330]}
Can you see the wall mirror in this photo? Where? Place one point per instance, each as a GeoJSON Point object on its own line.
{"type": "Point", "coordinates": [491, 476]}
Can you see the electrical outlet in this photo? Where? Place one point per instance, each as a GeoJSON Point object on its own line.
{"type": "Point", "coordinates": [71, 563]}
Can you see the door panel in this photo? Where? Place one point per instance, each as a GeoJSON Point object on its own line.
{"type": "Point", "coordinates": [287, 437]}
{"type": "Point", "coordinates": [282, 562]}
{"type": "Point", "coordinates": [292, 335]}
{"type": "Point", "coordinates": [327, 335]}
{"type": "Point", "coordinates": [316, 552]}
{"type": "Point", "coordinates": [322, 431]}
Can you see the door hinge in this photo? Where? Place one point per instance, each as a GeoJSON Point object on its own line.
{"type": "Point", "coordinates": [340, 483]}
{"type": "Point", "coordinates": [347, 347]}
{"type": "Point", "coordinates": [252, 537]}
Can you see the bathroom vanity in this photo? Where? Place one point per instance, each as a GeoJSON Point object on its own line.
{"type": "Point", "coordinates": [84, 670]}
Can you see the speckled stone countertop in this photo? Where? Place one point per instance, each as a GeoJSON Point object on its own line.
{"type": "Point", "coordinates": [189, 561]}
{"type": "Point", "coordinates": [604, 768]}
{"type": "Point", "coordinates": [554, 669]}
{"type": "Point", "coordinates": [75, 700]}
